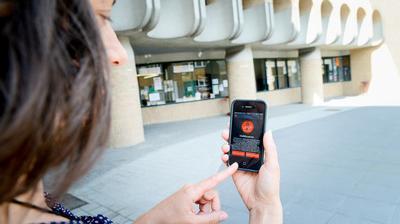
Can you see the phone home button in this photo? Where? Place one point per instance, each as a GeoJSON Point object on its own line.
{"type": "Point", "coordinates": [244, 163]}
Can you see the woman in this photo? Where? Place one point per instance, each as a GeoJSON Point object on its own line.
{"type": "Point", "coordinates": [55, 112]}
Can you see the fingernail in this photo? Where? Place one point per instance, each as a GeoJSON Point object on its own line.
{"type": "Point", "coordinates": [223, 216]}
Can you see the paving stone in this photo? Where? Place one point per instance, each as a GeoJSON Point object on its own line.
{"type": "Point", "coordinates": [368, 209]}
{"type": "Point", "coordinates": [79, 212]}
{"type": "Point", "coordinates": [325, 200]}
{"type": "Point", "coordinates": [99, 211]}
{"type": "Point", "coordinates": [395, 217]}
{"type": "Point", "coordinates": [297, 213]}
{"type": "Point", "coordinates": [339, 218]}
{"type": "Point", "coordinates": [120, 220]}
{"type": "Point", "coordinates": [89, 207]}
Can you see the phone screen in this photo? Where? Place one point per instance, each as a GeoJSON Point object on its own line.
{"type": "Point", "coordinates": [246, 134]}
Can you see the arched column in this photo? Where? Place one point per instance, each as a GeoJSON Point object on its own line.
{"type": "Point", "coordinates": [311, 76]}
{"type": "Point", "coordinates": [126, 113]}
{"type": "Point", "coordinates": [240, 66]}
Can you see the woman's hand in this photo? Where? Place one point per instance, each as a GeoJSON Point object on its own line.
{"type": "Point", "coordinates": [180, 207]}
{"type": "Point", "coordinates": [260, 191]}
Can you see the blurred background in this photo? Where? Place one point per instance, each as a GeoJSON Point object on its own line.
{"type": "Point", "coordinates": [329, 70]}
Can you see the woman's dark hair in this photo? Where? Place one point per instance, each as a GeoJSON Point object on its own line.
{"type": "Point", "coordinates": [54, 97]}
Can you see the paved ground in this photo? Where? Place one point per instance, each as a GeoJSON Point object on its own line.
{"type": "Point", "coordinates": [339, 165]}
{"type": "Point", "coordinates": [344, 168]}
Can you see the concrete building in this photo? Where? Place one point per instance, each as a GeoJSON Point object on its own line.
{"type": "Point", "coordinates": [190, 58]}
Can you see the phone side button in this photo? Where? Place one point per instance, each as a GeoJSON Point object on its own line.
{"type": "Point", "coordinates": [252, 155]}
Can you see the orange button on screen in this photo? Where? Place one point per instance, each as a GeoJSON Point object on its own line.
{"type": "Point", "coordinates": [252, 155]}
{"type": "Point", "coordinates": [247, 127]}
{"type": "Point", "coordinates": [237, 153]}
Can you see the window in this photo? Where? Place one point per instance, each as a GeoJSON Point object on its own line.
{"type": "Point", "coordinates": [336, 69]}
{"type": "Point", "coordinates": [261, 79]}
{"type": "Point", "coordinates": [293, 72]}
{"type": "Point", "coordinates": [272, 74]}
{"type": "Point", "coordinates": [328, 70]}
{"type": "Point", "coordinates": [182, 82]}
{"type": "Point", "coordinates": [281, 73]}
{"type": "Point", "coordinates": [346, 68]}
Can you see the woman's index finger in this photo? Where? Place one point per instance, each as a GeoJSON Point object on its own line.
{"type": "Point", "coordinates": [213, 181]}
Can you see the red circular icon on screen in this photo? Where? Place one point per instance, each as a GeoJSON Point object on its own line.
{"type": "Point", "coordinates": [247, 126]}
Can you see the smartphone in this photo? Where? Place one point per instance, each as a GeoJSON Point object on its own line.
{"type": "Point", "coordinates": [247, 127]}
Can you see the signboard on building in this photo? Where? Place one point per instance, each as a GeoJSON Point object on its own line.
{"type": "Point", "coordinates": [183, 68]}
{"type": "Point", "coordinates": [149, 70]}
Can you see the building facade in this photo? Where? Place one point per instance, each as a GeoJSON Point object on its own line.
{"type": "Point", "coordinates": [190, 58]}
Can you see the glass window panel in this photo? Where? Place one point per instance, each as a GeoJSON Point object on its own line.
{"type": "Point", "coordinates": [261, 78]}
{"type": "Point", "coordinates": [336, 69]}
{"type": "Point", "coordinates": [339, 68]}
{"type": "Point", "coordinates": [282, 74]}
{"type": "Point", "coordinates": [346, 68]}
{"type": "Point", "coordinates": [182, 74]}
{"type": "Point", "coordinates": [271, 74]}
{"type": "Point", "coordinates": [217, 79]}
{"type": "Point", "coordinates": [329, 70]}
{"type": "Point", "coordinates": [335, 76]}
{"type": "Point", "coordinates": [150, 79]}
{"type": "Point", "coordinates": [326, 69]}
{"type": "Point", "coordinates": [203, 73]}
{"type": "Point", "coordinates": [293, 73]}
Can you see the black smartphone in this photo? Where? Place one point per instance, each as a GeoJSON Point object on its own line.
{"type": "Point", "coordinates": [247, 127]}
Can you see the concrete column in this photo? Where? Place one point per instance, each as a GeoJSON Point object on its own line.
{"type": "Point", "coordinates": [126, 113]}
{"type": "Point", "coordinates": [312, 88]}
{"type": "Point", "coordinates": [240, 67]}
